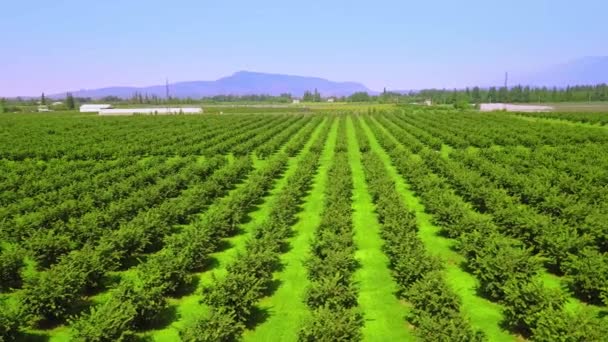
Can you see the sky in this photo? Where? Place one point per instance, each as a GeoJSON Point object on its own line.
{"type": "Point", "coordinates": [56, 46]}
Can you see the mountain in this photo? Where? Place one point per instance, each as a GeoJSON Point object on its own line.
{"type": "Point", "coordinates": [240, 83]}
{"type": "Point", "coordinates": [582, 71]}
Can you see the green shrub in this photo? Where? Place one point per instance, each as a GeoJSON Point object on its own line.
{"type": "Point", "coordinates": [329, 325]}
{"type": "Point", "coordinates": [221, 326]}
{"type": "Point", "coordinates": [11, 263]}
{"type": "Point", "coordinates": [110, 321]}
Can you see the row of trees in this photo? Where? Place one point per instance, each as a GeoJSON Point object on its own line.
{"type": "Point", "coordinates": [55, 293]}
{"type": "Point", "coordinates": [564, 231]}
{"type": "Point", "coordinates": [265, 142]}
{"type": "Point", "coordinates": [250, 275]}
{"type": "Point", "coordinates": [108, 138]}
{"type": "Point", "coordinates": [139, 301]}
{"type": "Point", "coordinates": [436, 309]}
{"type": "Point", "coordinates": [574, 194]}
{"type": "Point", "coordinates": [94, 203]}
{"type": "Point", "coordinates": [576, 245]}
{"type": "Point", "coordinates": [332, 293]}
{"type": "Point", "coordinates": [464, 129]}
{"type": "Point", "coordinates": [508, 272]}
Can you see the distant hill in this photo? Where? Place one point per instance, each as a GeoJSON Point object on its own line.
{"type": "Point", "coordinates": [240, 83]}
{"type": "Point", "coordinates": [583, 71]}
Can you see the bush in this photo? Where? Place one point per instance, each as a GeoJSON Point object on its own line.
{"type": "Point", "coordinates": [331, 292]}
{"type": "Point", "coordinates": [53, 293]}
{"type": "Point", "coordinates": [11, 263]}
{"type": "Point", "coordinates": [221, 326]}
{"type": "Point", "coordinates": [238, 291]}
{"type": "Point", "coordinates": [47, 246]}
{"type": "Point", "coordinates": [453, 328]}
{"type": "Point", "coordinates": [329, 325]}
{"type": "Point", "coordinates": [110, 321]}
{"type": "Point", "coordinates": [462, 104]}
{"type": "Point", "coordinates": [587, 274]}
{"type": "Point", "coordinates": [527, 303]}
{"type": "Point", "coordinates": [9, 324]}
{"type": "Point", "coordinates": [557, 325]}
{"type": "Point", "coordinates": [145, 296]}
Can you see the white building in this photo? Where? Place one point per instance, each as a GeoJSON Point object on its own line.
{"type": "Point", "coordinates": [93, 108]}
{"type": "Point", "coordinates": [296, 101]}
{"type": "Point", "coordinates": [151, 111]}
{"type": "Point", "coordinates": [490, 107]}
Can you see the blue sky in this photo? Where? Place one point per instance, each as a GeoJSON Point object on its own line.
{"type": "Point", "coordinates": [60, 45]}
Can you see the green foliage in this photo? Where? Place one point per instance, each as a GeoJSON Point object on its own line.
{"type": "Point", "coordinates": [10, 320]}
{"type": "Point", "coordinates": [587, 274]}
{"type": "Point", "coordinates": [436, 312]}
{"type": "Point", "coordinates": [47, 246]}
{"type": "Point", "coordinates": [52, 294]}
{"type": "Point", "coordinates": [332, 293]}
{"type": "Point", "coordinates": [221, 326]}
{"type": "Point", "coordinates": [110, 321]}
{"type": "Point", "coordinates": [359, 97]}
{"type": "Point", "coordinates": [11, 263]}
{"type": "Point", "coordinates": [328, 325]}
{"type": "Point", "coordinates": [462, 104]}
{"type": "Point", "coordinates": [527, 303]}
{"type": "Point", "coordinates": [93, 196]}
{"type": "Point", "coordinates": [238, 292]}
{"type": "Point", "coordinates": [69, 101]}
{"type": "Point", "coordinates": [582, 326]}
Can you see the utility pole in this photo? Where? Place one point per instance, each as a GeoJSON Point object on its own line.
{"type": "Point", "coordinates": [167, 88]}
{"type": "Point", "coordinates": [506, 99]}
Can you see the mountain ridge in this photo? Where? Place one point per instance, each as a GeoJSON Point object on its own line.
{"type": "Point", "coordinates": [590, 70]}
{"type": "Point", "coordinates": [239, 83]}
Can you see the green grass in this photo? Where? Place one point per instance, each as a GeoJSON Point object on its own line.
{"type": "Point", "coordinates": [484, 314]}
{"type": "Point", "coordinates": [285, 307]}
{"type": "Point", "coordinates": [384, 314]}
{"type": "Point", "coordinates": [189, 307]}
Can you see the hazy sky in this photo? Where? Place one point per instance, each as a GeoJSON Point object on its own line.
{"type": "Point", "coordinates": [60, 45]}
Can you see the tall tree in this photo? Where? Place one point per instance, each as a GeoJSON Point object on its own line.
{"type": "Point", "coordinates": [69, 101]}
{"type": "Point", "coordinates": [476, 95]}
{"type": "Point", "coordinates": [316, 96]}
{"type": "Point", "coordinates": [308, 97]}
{"type": "Point", "coordinates": [42, 99]}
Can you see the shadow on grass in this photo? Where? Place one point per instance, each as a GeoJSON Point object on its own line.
{"type": "Point", "coordinates": [257, 317]}
{"type": "Point", "coordinates": [187, 288]}
{"type": "Point", "coordinates": [164, 318]}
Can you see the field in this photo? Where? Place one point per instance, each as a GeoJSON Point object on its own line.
{"type": "Point", "coordinates": [340, 223]}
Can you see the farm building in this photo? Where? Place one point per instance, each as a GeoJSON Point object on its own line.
{"type": "Point", "coordinates": [490, 107]}
{"type": "Point", "coordinates": [150, 111]}
{"type": "Point", "coordinates": [93, 108]}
